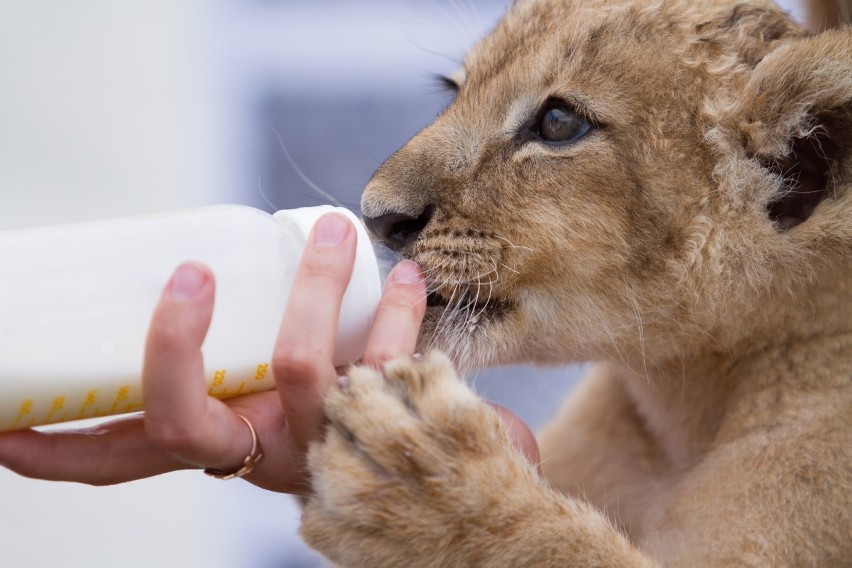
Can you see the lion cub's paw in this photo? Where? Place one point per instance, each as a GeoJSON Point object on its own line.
{"type": "Point", "coordinates": [410, 461]}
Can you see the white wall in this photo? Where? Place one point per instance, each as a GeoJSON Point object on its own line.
{"type": "Point", "coordinates": [90, 110]}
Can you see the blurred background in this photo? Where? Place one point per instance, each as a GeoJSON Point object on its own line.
{"type": "Point", "coordinates": [121, 108]}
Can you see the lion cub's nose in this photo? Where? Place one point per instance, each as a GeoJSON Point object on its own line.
{"type": "Point", "coordinates": [399, 229]}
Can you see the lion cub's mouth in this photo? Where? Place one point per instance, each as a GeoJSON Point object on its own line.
{"type": "Point", "coordinates": [467, 305]}
{"type": "Point", "coordinates": [466, 277]}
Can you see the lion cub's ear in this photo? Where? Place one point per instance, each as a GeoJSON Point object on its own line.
{"type": "Point", "coordinates": [796, 118]}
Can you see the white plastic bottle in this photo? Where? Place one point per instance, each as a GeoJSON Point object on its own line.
{"type": "Point", "coordinates": [76, 302]}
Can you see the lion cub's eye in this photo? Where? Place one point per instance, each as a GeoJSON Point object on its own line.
{"type": "Point", "coordinates": [558, 123]}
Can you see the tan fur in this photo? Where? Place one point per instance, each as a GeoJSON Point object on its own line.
{"type": "Point", "coordinates": [716, 429]}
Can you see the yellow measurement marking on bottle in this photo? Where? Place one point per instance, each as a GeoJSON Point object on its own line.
{"type": "Point", "coordinates": [120, 397]}
{"type": "Point", "coordinates": [26, 408]}
{"type": "Point", "coordinates": [58, 404]}
{"type": "Point", "coordinates": [218, 380]}
{"type": "Point", "coordinates": [262, 369]}
{"type": "Point", "coordinates": [91, 397]}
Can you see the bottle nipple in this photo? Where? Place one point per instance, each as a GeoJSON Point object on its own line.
{"type": "Point", "coordinates": [386, 259]}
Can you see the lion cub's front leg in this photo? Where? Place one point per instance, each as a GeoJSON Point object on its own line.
{"type": "Point", "coordinates": [416, 470]}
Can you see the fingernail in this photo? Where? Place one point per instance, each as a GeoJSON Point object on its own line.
{"type": "Point", "coordinates": [187, 281]}
{"type": "Point", "coordinates": [330, 230]}
{"type": "Point", "coordinates": [407, 273]}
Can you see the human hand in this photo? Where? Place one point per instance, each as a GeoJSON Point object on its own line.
{"type": "Point", "coordinates": [185, 428]}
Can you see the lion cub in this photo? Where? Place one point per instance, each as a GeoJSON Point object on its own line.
{"type": "Point", "coordinates": [664, 188]}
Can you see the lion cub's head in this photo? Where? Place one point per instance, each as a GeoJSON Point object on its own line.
{"type": "Point", "coordinates": [634, 180]}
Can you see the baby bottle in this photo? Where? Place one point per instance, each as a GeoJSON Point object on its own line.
{"type": "Point", "coordinates": [76, 302]}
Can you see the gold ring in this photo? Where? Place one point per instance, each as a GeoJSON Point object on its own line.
{"type": "Point", "coordinates": [249, 462]}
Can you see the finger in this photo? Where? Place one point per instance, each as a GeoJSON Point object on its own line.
{"type": "Point", "coordinates": [520, 433]}
{"type": "Point", "coordinates": [110, 453]}
{"type": "Point", "coordinates": [121, 451]}
{"type": "Point", "coordinates": [180, 417]}
{"type": "Point", "coordinates": [399, 315]}
{"type": "Point", "coordinates": [302, 361]}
